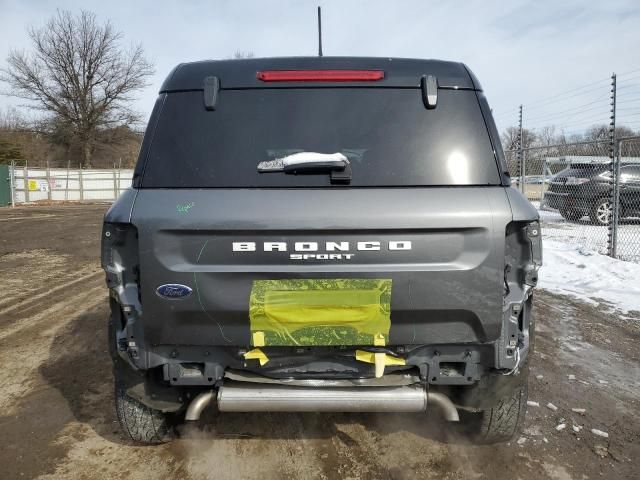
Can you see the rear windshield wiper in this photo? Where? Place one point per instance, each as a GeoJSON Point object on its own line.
{"type": "Point", "coordinates": [311, 162]}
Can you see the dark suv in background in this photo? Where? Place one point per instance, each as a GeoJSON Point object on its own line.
{"type": "Point", "coordinates": [319, 235]}
{"type": "Point", "coordinates": [585, 190]}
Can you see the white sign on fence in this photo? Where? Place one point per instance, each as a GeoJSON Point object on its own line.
{"type": "Point", "coordinates": [59, 184]}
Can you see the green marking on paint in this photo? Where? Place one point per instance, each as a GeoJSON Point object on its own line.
{"type": "Point", "coordinates": [184, 208]}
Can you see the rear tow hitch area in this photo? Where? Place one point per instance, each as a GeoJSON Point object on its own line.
{"type": "Point", "coordinates": [249, 397]}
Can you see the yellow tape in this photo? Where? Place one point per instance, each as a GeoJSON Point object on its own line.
{"type": "Point", "coordinates": [258, 339]}
{"type": "Point", "coordinates": [256, 354]}
{"type": "Point", "coordinates": [318, 312]}
{"type": "Point", "coordinates": [379, 359]}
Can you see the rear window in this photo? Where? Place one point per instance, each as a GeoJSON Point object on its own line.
{"type": "Point", "coordinates": [387, 134]}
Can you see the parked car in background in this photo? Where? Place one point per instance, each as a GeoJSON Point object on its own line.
{"type": "Point", "coordinates": [532, 180]}
{"type": "Point", "coordinates": [536, 180]}
{"type": "Point", "coordinates": [585, 190]}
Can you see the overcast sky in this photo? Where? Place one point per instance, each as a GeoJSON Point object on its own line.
{"type": "Point", "coordinates": [522, 51]}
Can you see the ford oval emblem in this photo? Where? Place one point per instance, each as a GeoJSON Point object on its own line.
{"type": "Point", "coordinates": [174, 291]}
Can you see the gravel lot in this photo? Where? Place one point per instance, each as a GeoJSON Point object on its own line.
{"type": "Point", "coordinates": [58, 419]}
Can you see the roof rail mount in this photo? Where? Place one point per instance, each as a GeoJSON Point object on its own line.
{"type": "Point", "coordinates": [429, 85]}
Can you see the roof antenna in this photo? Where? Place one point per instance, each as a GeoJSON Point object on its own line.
{"type": "Point", "coordinates": [319, 32]}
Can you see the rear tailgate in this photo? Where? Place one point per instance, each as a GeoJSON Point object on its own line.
{"type": "Point", "coordinates": [447, 288]}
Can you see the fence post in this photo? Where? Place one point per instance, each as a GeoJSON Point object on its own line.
{"type": "Point", "coordinates": [544, 181]}
{"type": "Point", "coordinates": [12, 179]}
{"type": "Point", "coordinates": [48, 181]}
{"type": "Point", "coordinates": [80, 183]}
{"type": "Point", "coordinates": [119, 175]}
{"type": "Point", "coordinates": [615, 176]}
{"type": "Point", "coordinates": [524, 172]}
{"type": "Point", "coordinates": [115, 183]}
{"type": "Point", "coordinates": [519, 153]}
{"type": "Point", "coordinates": [66, 187]}
{"type": "Point", "coordinates": [615, 214]}
{"type": "Point", "coordinates": [26, 182]}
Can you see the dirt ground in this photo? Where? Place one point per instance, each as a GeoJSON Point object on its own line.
{"type": "Point", "coordinates": [58, 421]}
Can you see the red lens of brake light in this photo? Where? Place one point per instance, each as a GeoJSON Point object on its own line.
{"type": "Point", "coordinates": [320, 75]}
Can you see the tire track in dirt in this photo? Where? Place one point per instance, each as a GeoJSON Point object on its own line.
{"type": "Point", "coordinates": [32, 299]}
{"type": "Point", "coordinates": [70, 409]}
{"type": "Point", "coordinates": [30, 274]}
{"type": "Point", "coordinates": [26, 344]}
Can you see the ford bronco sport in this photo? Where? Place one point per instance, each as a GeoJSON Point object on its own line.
{"type": "Point", "coordinates": [321, 234]}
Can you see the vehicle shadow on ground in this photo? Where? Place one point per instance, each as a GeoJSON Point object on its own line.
{"type": "Point", "coordinates": [79, 367]}
{"type": "Point", "coordinates": [298, 426]}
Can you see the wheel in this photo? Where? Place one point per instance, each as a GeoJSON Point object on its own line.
{"type": "Point", "coordinates": [601, 212]}
{"type": "Point", "coordinates": [140, 423]}
{"type": "Point", "coordinates": [500, 423]}
{"type": "Point", "coordinates": [570, 215]}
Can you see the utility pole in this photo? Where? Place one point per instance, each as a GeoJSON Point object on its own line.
{"type": "Point", "coordinates": [519, 156]}
{"type": "Point", "coordinates": [615, 174]}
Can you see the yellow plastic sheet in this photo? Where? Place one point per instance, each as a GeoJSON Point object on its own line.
{"type": "Point", "coordinates": [320, 312]}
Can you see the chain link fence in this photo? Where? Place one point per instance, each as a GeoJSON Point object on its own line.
{"type": "Point", "coordinates": [588, 193]}
{"type": "Point", "coordinates": [626, 239]}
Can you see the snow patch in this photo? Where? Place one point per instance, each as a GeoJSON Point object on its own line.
{"type": "Point", "coordinates": [590, 276]}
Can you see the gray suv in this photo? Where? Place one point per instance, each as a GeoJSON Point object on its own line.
{"type": "Point", "coordinates": [320, 235]}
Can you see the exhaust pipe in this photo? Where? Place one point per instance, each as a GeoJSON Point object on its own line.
{"type": "Point", "coordinates": [198, 404]}
{"type": "Point", "coordinates": [448, 409]}
{"type": "Point", "coordinates": [252, 397]}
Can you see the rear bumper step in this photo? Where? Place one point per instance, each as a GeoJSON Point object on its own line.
{"type": "Point", "coordinates": [246, 397]}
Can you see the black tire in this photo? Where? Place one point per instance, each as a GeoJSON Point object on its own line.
{"type": "Point", "coordinates": [500, 423]}
{"type": "Point", "coordinates": [140, 423]}
{"type": "Point", "coordinates": [570, 215]}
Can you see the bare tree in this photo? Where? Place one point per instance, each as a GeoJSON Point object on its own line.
{"type": "Point", "coordinates": [549, 136]}
{"type": "Point", "coordinates": [79, 74]}
{"type": "Point", "coordinates": [239, 55]}
{"type": "Point", "coordinates": [510, 138]}
{"type": "Point", "coordinates": [601, 132]}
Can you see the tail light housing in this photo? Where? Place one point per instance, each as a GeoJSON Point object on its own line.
{"type": "Point", "coordinates": [523, 253]}
{"type": "Point", "coordinates": [119, 253]}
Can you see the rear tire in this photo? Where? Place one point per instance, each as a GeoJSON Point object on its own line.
{"type": "Point", "coordinates": [500, 423]}
{"type": "Point", "coordinates": [601, 212]}
{"type": "Point", "coordinates": [140, 423]}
